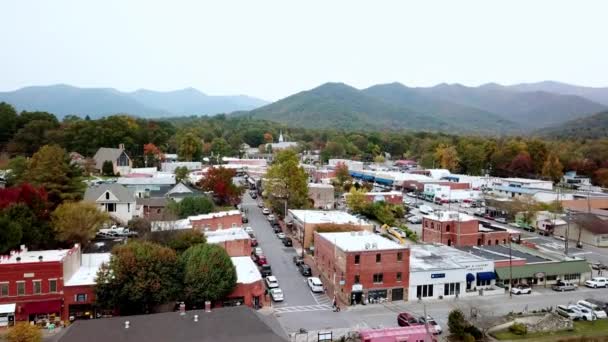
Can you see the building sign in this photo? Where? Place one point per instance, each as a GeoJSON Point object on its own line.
{"type": "Point", "coordinates": [478, 267]}
{"type": "Point", "coordinates": [539, 275]}
{"type": "Point", "coordinates": [437, 275]}
{"type": "Point", "coordinates": [357, 288]}
{"type": "Point", "coordinates": [28, 275]}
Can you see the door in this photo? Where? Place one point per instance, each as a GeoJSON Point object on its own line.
{"type": "Point", "coordinates": [397, 294]}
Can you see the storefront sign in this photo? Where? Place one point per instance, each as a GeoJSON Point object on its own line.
{"type": "Point", "coordinates": [28, 275]}
{"type": "Point", "coordinates": [357, 288]}
{"type": "Point", "coordinates": [539, 275]}
{"type": "Point", "coordinates": [342, 282]}
{"type": "Point", "coordinates": [437, 275]}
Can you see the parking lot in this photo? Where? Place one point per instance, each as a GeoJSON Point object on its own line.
{"type": "Point", "coordinates": [298, 297]}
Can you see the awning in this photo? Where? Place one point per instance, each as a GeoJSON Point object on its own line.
{"type": "Point", "coordinates": [384, 181]}
{"type": "Point", "coordinates": [470, 277]}
{"type": "Point", "coordinates": [486, 275]}
{"type": "Point", "coordinates": [43, 307]}
{"type": "Point", "coordinates": [7, 308]}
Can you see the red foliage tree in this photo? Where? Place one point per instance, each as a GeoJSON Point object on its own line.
{"type": "Point", "coordinates": [219, 181]}
{"type": "Point", "coordinates": [521, 165]}
{"type": "Point", "coordinates": [34, 198]}
{"type": "Point", "coordinates": [152, 153]}
{"type": "Point", "coordinates": [583, 167]}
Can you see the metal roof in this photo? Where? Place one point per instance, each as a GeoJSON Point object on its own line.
{"type": "Point", "coordinates": [548, 268]}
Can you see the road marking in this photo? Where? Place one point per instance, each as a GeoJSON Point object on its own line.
{"type": "Point", "coordinates": [302, 308]}
{"type": "Point", "coordinates": [322, 297]}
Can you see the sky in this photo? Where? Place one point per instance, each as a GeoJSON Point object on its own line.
{"type": "Point", "coordinates": [271, 49]}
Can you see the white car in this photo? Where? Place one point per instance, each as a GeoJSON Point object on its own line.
{"type": "Point", "coordinates": [248, 230]}
{"type": "Point", "coordinates": [596, 282]}
{"type": "Point", "coordinates": [501, 220]}
{"type": "Point", "coordinates": [565, 311]}
{"type": "Point", "coordinates": [266, 211]}
{"type": "Point", "coordinates": [597, 311]}
{"type": "Point", "coordinates": [415, 219]}
{"type": "Point", "coordinates": [521, 289]}
{"type": "Point", "coordinates": [432, 324]}
{"type": "Point", "coordinates": [315, 284]}
{"type": "Point", "coordinates": [425, 209]}
{"type": "Point", "coordinates": [281, 235]}
{"type": "Point", "coordinates": [258, 251]}
{"type": "Point", "coordinates": [272, 282]}
{"type": "Point", "coordinates": [271, 217]}
{"type": "Point", "coordinates": [583, 313]}
{"type": "Point", "coordinates": [276, 294]}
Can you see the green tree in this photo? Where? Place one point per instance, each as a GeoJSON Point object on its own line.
{"type": "Point", "coordinates": [356, 200]}
{"type": "Point", "coordinates": [208, 273]}
{"type": "Point", "coordinates": [33, 135]}
{"type": "Point", "coordinates": [24, 332]}
{"type": "Point", "coordinates": [140, 225]}
{"type": "Point", "coordinates": [17, 167]}
{"type": "Point", "coordinates": [8, 117]}
{"type": "Point", "coordinates": [77, 222]}
{"type": "Point", "coordinates": [35, 226]}
{"type": "Point", "coordinates": [139, 277]}
{"type": "Point", "coordinates": [190, 147]}
{"type": "Point", "coordinates": [182, 240]}
{"type": "Point", "coordinates": [191, 206]}
{"type": "Point", "coordinates": [457, 324]}
{"type": "Point", "coordinates": [181, 173]}
{"type": "Point", "coordinates": [51, 169]}
{"type": "Point", "coordinates": [107, 168]}
{"type": "Point", "coordinates": [552, 168]}
{"type": "Point", "coordinates": [10, 233]}
{"type": "Point", "coordinates": [287, 180]}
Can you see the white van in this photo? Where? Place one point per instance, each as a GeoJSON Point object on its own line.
{"type": "Point", "coordinates": [425, 209]}
{"type": "Point", "coordinates": [597, 311]}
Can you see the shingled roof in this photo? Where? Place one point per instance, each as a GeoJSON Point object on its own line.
{"type": "Point", "coordinates": [106, 153]}
{"type": "Point", "coordinates": [123, 194]}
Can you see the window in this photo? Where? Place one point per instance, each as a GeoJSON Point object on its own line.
{"type": "Point", "coordinates": [81, 297]}
{"type": "Point", "coordinates": [52, 285]}
{"type": "Point", "coordinates": [20, 288]}
{"type": "Point", "coordinates": [128, 207]}
{"type": "Point", "coordinates": [398, 276]}
{"type": "Point", "coordinates": [37, 286]}
{"type": "Point", "coordinates": [378, 257]}
{"type": "Point", "coordinates": [111, 207]}
{"type": "Point", "coordinates": [378, 278]}
{"type": "Point", "coordinates": [423, 291]}
{"type": "Point", "coordinates": [496, 242]}
{"type": "Point", "coordinates": [449, 242]}
{"type": "Point", "coordinates": [447, 228]}
{"type": "Point", "coordinates": [357, 279]}
{"type": "Point", "coordinates": [399, 256]}
{"type": "Point", "coordinates": [484, 282]}
{"type": "Point", "coordinates": [3, 289]}
{"type": "Point", "coordinates": [107, 195]}
{"type": "Point", "coordinates": [357, 259]}
{"type": "Point", "coordinates": [551, 278]}
{"type": "Point", "coordinates": [123, 160]}
{"type": "Point", "coordinates": [451, 289]}
{"type": "Point", "coordinates": [573, 276]}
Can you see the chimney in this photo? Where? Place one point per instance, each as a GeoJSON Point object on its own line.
{"type": "Point", "coordinates": [127, 323]}
{"type": "Point", "coordinates": [196, 318]}
{"type": "Point", "coordinates": [23, 248]}
{"type": "Point", "coordinates": [121, 146]}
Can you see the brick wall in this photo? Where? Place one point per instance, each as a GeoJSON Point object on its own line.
{"type": "Point", "coordinates": [236, 248]}
{"type": "Point", "coordinates": [446, 232]}
{"type": "Point", "coordinates": [219, 222]}
{"type": "Point", "coordinates": [70, 298]}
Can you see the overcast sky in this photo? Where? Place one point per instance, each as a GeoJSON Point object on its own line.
{"type": "Point", "coordinates": [271, 49]}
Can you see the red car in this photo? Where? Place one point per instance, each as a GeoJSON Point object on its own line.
{"type": "Point", "coordinates": [254, 242]}
{"type": "Point", "coordinates": [260, 260]}
{"type": "Point", "coordinates": [406, 319]}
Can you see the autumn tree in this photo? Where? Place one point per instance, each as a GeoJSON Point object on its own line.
{"type": "Point", "coordinates": [268, 137]}
{"type": "Point", "coordinates": [342, 174]}
{"type": "Point", "coordinates": [521, 165]}
{"type": "Point", "coordinates": [287, 182]}
{"type": "Point", "coordinates": [77, 222]}
{"type": "Point", "coordinates": [190, 147]}
{"type": "Point", "coordinates": [600, 177]}
{"type": "Point", "coordinates": [24, 332]}
{"type": "Point", "coordinates": [181, 173]}
{"type": "Point", "coordinates": [356, 200]}
{"type": "Point", "coordinates": [152, 154]}
{"type": "Point", "coordinates": [219, 181]}
{"type": "Point", "coordinates": [139, 277]}
{"type": "Point", "coordinates": [209, 273]}
{"type": "Point", "coordinates": [17, 167]}
{"type": "Point", "coordinates": [447, 157]}
{"type": "Point", "coordinates": [552, 168]}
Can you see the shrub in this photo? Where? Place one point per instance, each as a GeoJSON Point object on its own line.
{"type": "Point", "coordinates": [518, 329]}
{"type": "Point", "coordinates": [473, 331]}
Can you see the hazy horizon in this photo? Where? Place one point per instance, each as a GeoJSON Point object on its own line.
{"type": "Point", "coordinates": [273, 49]}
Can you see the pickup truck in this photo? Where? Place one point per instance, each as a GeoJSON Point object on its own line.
{"type": "Point", "coordinates": [563, 286]}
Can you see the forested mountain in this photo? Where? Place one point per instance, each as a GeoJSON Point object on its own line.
{"type": "Point", "coordinates": [96, 102]}
{"type": "Point", "coordinates": [599, 95]}
{"type": "Point", "coordinates": [590, 127]}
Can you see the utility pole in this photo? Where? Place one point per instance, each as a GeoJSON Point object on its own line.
{"type": "Point", "coordinates": [426, 325]}
{"type": "Point", "coordinates": [510, 270]}
{"type": "Point", "coordinates": [567, 233]}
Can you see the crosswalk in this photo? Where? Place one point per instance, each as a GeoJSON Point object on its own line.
{"type": "Point", "coordinates": [302, 308]}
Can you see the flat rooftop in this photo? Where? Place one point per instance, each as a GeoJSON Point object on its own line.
{"type": "Point", "coordinates": [89, 266]}
{"type": "Point", "coordinates": [53, 255]}
{"type": "Point", "coordinates": [320, 186]}
{"type": "Point", "coordinates": [434, 257]}
{"type": "Point", "coordinates": [501, 252]}
{"type": "Point", "coordinates": [525, 180]}
{"type": "Point", "coordinates": [228, 234]}
{"type": "Point", "coordinates": [246, 270]}
{"type": "Point", "coordinates": [447, 216]}
{"type": "Point", "coordinates": [322, 216]}
{"type": "Point", "coordinates": [360, 241]}
{"type": "Point", "coordinates": [214, 215]}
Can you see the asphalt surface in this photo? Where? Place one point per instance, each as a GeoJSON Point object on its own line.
{"type": "Point", "coordinates": [298, 297]}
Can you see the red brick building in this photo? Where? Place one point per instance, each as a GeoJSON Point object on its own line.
{"type": "Point", "coordinates": [215, 221]}
{"type": "Point", "coordinates": [250, 289]}
{"type": "Point", "coordinates": [392, 197]}
{"type": "Point", "coordinates": [417, 185]}
{"type": "Point", "coordinates": [355, 266]}
{"type": "Point", "coordinates": [235, 241]}
{"type": "Point", "coordinates": [457, 229]}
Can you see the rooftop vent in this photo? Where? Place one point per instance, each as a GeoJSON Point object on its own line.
{"type": "Point", "coordinates": [127, 324]}
{"type": "Point", "coordinates": [196, 318]}
{"type": "Point", "coordinates": [40, 258]}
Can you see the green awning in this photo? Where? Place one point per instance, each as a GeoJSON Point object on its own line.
{"type": "Point", "coordinates": [549, 269]}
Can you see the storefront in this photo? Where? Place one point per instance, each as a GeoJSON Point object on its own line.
{"type": "Point", "coordinates": [7, 315]}
{"type": "Point", "coordinates": [42, 312]}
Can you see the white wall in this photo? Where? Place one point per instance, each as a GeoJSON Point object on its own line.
{"type": "Point", "coordinates": [425, 278]}
{"type": "Point", "coordinates": [124, 211]}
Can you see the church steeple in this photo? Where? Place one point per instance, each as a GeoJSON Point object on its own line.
{"type": "Point", "coordinates": [281, 136]}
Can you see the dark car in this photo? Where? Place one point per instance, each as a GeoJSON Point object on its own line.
{"type": "Point", "coordinates": [274, 224]}
{"type": "Point", "coordinates": [245, 219]}
{"type": "Point", "coordinates": [265, 270]}
{"type": "Point", "coordinates": [277, 230]}
{"type": "Point", "coordinates": [254, 242]}
{"type": "Point", "coordinates": [287, 242]}
{"type": "Point", "coordinates": [254, 195]}
{"type": "Point", "coordinates": [298, 260]}
{"type": "Point", "coordinates": [406, 319]}
{"type": "Point", "coordinates": [305, 270]}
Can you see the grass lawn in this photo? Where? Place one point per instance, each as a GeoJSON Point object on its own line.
{"type": "Point", "coordinates": [582, 328]}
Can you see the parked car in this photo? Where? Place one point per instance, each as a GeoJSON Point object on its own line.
{"type": "Point", "coordinates": [521, 289]}
{"type": "Point", "coordinates": [597, 311]}
{"type": "Point", "coordinates": [260, 204]}
{"type": "Point", "coordinates": [258, 250]}
{"type": "Point", "coordinates": [315, 284]}
{"type": "Point", "coordinates": [565, 311]}
{"type": "Point", "coordinates": [406, 319]}
{"type": "Point", "coordinates": [281, 235]}
{"type": "Point", "coordinates": [276, 294]}
{"type": "Point", "coordinates": [305, 270]}
{"type": "Point", "coordinates": [501, 220]}
{"type": "Point", "coordinates": [245, 219]}
{"type": "Point", "coordinates": [432, 324]}
{"type": "Point", "coordinates": [254, 195]}
{"type": "Point", "coordinates": [271, 217]}
{"type": "Point", "coordinates": [272, 282]}
{"type": "Point", "coordinates": [254, 242]}
{"type": "Point", "coordinates": [277, 230]}
{"type": "Point", "coordinates": [598, 266]}
{"type": "Point", "coordinates": [563, 286]}
{"type": "Point", "coordinates": [602, 304]}
{"type": "Point", "coordinates": [260, 259]}
{"type": "Point", "coordinates": [287, 242]}
{"type": "Point", "coordinates": [274, 224]}
{"type": "Point", "coordinates": [266, 211]}
{"type": "Point", "coordinates": [265, 270]}
{"type": "Point", "coordinates": [248, 230]}
{"type": "Point", "coordinates": [415, 219]}
{"type": "Point", "coordinates": [583, 313]}
{"type": "Point", "coordinates": [297, 260]}
{"type": "Point", "coordinates": [596, 282]}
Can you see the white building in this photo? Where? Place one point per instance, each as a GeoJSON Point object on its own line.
{"type": "Point", "coordinates": [171, 166]}
{"type": "Point", "coordinates": [352, 165]}
{"type": "Point", "coordinates": [439, 271]}
{"type": "Point", "coordinates": [115, 199]}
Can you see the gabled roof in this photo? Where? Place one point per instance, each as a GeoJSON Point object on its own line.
{"type": "Point", "coordinates": [591, 223]}
{"type": "Point", "coordinates": [123, 194]}
{"type": "Point", "coordinates": [107, 153]}
{"type": "Point", "coordinates": [232, 324]}
{"type": "Point", "coordinates": [182, 189]}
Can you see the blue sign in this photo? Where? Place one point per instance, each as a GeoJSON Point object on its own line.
{"type": "Point", "coordinates": [437, 275]}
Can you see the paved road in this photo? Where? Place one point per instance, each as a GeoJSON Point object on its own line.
{"type": "Point", "coordinates": [298, 297]}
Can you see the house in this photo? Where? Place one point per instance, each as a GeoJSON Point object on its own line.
{"type": "Point", "coordinates": [281, 144]}
{"type": "Point", "coordinates": [359, 265]}
{"type": "Point", "coordinates": [121, 162]}
{"type": "Point", "coordinates": [588, 228]}
{"type": "Point", "coordinates": [250, 288]}
{"type": "Point", "coordinates": [571, 179]}
{"type": "Point", "coordinates": [305, 222]}
{"type": "Point", "coordinates": [222, 325]}
{"type": "Point", "coordinates": [115, 199]}
{"type": "Point", "coordinates": [79, 289]}
{"type": "Point", "coordinates": [144, 186]}
{"type": "Point", "coordinates": [321, 195]}
{"type": "Point", "coordinates": [182, 190]}
{"type": "Point", "coordinates": [152, 208]}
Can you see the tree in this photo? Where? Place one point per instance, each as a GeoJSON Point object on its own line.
{"type": "Point", "coordinates": [107, 168]}
{"type": "Point", "coordinates": [51, 169]}
{"type": "Point", "coordinates": [24, 332]}
{"type": "Point", "coordinates": [152, 154]}
{"type": "Point", "coordinates": [342, 174]}
{"type": "Point", "coordinates": [268, 138]}
{"type": "Point", "coordinates": [191, 206]}
{"type": "Point", "coordinates": [552, 168]}
{"type": "Point", "coordinates": [379, 159]}
{"type": "Point", "coordinates": [447, 157]}
{"type": "Point", "coordinates": [219, 181]}
{"type": "Point", "coordinates": [140, 225]}
{"type": "Point", "coordinates": [287, 181]}
{"type": "Point", "coordinates": [356, 200]}
{"type": "Point", "coordinates": [208, 273]}
{"type": "Point", "coordinates": [181, 173]}
{"type": "Point", "coordinates": [457, 324]}
{"type": "Point", "coordinates": [600, 177]}
{"type": "Point", "coordinates": [77, 222]}
{"type": "Point", "coordinates": [17, 167]}
{"type": "Point", "coordinates": [185, 239]}
{"type": "Point", "coordinates": [139, 277]}
{"type": "Point", "coordinates": [190, 147]}
{"type": "Point", "coordinates": [8, 117]}
{"type": "Point", "coordinates": [33, 135]}
{"type": "Point", "coordinates": [521, 165]}
{"type": "Point", "coordinates": [10, 233]}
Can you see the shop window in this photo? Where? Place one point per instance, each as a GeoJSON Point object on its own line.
{"type": "Point", "coordinates": [3, 289]}
{"type": "Point", "coordinates": [378, 278]}
{"type": "Point", "coordinates": [20, 288]}
{"type": "Point", "coordinates": [484, 282]}
{"type": "Point", "coordinates": [52, 285]}
{"type": "Point", "coordinates": [37, 286]}
{"type": "Point", "coordinates": [378, 257]}
{"type": "Point", "coordinates": [447, 228]}
{"type": "Point", "coordinates": [573, 276]}
{"type": "Point", "coordinates": [423, 291]}
{"type": "Point", "coordinates": [449, 242]}
{"type": "Point", "coordinates": [357, 259]}
{"type": "Point", "coordinates": [496, 242]}
{"type": "Point", "coordinates": [451, 289]}
{"type": "Point", "coordinates": [399, 276]}
{"type": "Point", "coordinates": [80, 298]}
{"type": "Point", "coordinates": [551, 278]}
{"type": "Point", "coordinates": [399, 256]}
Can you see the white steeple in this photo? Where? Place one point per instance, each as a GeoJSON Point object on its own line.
{"type": "Point", "coordinates": [281, 136]}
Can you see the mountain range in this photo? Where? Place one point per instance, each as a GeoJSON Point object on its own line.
{"type": "Point", "coordinates": [63, 100]}
{"type": "Point", "coordinates": [487, 109]}
{"type": "Point", "coordinates": [589, 127]}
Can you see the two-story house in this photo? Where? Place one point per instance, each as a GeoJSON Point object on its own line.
{"type": "Point", "coordinates": [115, 199]}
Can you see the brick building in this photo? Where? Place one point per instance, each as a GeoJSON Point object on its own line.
{"type": "Point", "coordinates": [249, 289]}
{"type": "Point", "coordinates": [359, 265]}
{"type": "Point", "coordinates": [215, 221]}
{"type": "Point", "coordinates": [321, 195]}
{"type": "Point", "coordinates": [235, 241]}
{"type": "Point", "coordinates": [305, 222]}
{"type": "Point", "coordinates": [392, 197]}
{"type": "Point", "coordinates": [456, 229]}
